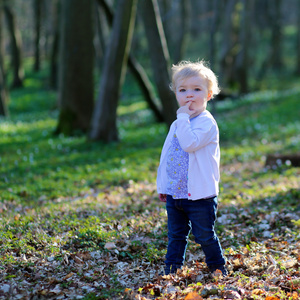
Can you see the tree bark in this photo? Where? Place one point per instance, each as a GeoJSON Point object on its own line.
{"type": "Point", "coordinates": [3, 90]}
{"type": "Point", "coordinates": [276, 60]}
{"type": "Point", "coordinates": [297, 70]}
{"type": "Point", "coordinates": [37, 7]}
{"type": "Point", "coordinates": [242, 62]}
{"type": "Point", "coordinates": [16, 44]}
{"type": "Point", "coordinates": [99, 41]}
{"type": "Point", "coordinates": [181, 32]}
{"type": "Point", "coordinates": [76, 55]}
{"type": "Point", "coordinates": [138, 71]}
{"type": "Point", "coordinates": [213, 30]}
{"type": "Point", "coordinates": [55, 45]}
{"type": "Point", "coordinates": [104, 125]}
{"type": "Point", "coordinates": [146, 86]}
{"type": "Point", "coordinates": [160, 58]}
{"type": "Point", "coordinates": [227, 58]}
{"type": "Point", "coordinates": [3, 95]}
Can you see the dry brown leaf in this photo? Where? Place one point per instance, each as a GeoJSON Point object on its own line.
{"type": "Point", "coordinates": [68, 276]}
{"type": "Point", "coordinates": [110, 246]}
{"type": "Point", "coordinates": [78, 260]}
{"type": "Point", "coordinates": [258, 292]}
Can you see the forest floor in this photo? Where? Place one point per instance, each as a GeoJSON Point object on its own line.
{"type": "Point", "coordinates": [82, 220]}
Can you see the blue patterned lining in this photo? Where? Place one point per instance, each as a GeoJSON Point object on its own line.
{"type": "Point", "coordinates": [177, 170]}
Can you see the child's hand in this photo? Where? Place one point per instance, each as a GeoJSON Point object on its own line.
{"type": "Point", "coordinates": [186, 109]}
{"type": "Point", "coordinates": [162, 197]}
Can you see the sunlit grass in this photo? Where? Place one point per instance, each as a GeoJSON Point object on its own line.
{"type": "Point", "coordinates": [36, 164]}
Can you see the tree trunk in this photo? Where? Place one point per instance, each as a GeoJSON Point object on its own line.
{"type": "Point", "coordinates": [276, 38]}
{"type": "Point", "coordinates": [159, 56]}
{"type": "Point", "coordinates": [242, 62]}
{"type": "Point", "coordinates": [145, 85]}
{"type": "Point", "coordinates": [55, 45]}
{"type": "Point", "coordinates": [3, 94]}
{"type": "Point", "coordinates": [297, 71]}
{"type": "Point", "coordinates": [181, 32]}
{"type": "Point", "coordinates": [213, 30]}
{"type": "Point", "coordinates": [104, 125]}
{"type": "Point", "coordinates": [3, 90]}
{"type": "Point", "coordinates": [137, 71]}
{"type": "Point", "coordinates": [15, 36]}
{"type": "Point", "coordinates": [99, 41]}
{"type": "Point", "coordinates": [76, 57]}
{"type": "Point", "coordinates": [37, 7]}
{"type": "Point", "coordinates": [227, 57]}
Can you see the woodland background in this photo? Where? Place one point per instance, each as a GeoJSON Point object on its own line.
{"type": "Point", "coordinates": [85, 106]}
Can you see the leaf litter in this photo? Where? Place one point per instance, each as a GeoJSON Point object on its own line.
{"type": "Point", "coordinates": [110, 244]}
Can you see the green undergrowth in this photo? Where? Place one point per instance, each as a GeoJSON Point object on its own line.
{"type": "Point", "coordinates": [64, 195]}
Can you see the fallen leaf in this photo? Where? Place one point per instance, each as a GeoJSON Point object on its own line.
{"type": "Point", "coordinates": [110, 246]}
{"type": "Point", "coordinates": [258, 292]}
{"type": "Point", "coordinates": [68, 276]}
{"type": "Point", "coordinates": [231, 295]}
{"type": "Point", "coordinates": [193, 296]}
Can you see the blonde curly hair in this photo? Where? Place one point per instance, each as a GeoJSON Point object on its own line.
{"type": "Point", "coordinates": [186, 69]}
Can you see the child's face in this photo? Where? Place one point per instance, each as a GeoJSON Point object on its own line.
{"type": "Point", "coordinates": [193, 89]}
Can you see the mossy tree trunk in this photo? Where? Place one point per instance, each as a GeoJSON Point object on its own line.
{"type": "Point", "coordinates": [104, 126]}
{"type": "Point", "coordinates": [76, 57]}
{"type": "Point", "coordinates": [160, 57]}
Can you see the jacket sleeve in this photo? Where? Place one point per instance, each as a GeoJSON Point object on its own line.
{"type": "Point", "coordinates": [193, 139]}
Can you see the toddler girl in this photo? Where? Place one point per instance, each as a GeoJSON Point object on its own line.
{"type": "Point", "coordinates": [188, 174]}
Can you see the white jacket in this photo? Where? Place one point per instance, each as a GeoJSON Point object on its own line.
{"type": "Point", "coordinates": [200, 138]}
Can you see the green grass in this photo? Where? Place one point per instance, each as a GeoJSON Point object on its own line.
{"type": "Point", "coordinates": [60, 196]}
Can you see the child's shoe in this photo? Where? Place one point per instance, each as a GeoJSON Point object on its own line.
{"type": "Point", "coordinates": [170, 270]}
{"type": "Point", "coordinates": [217, 270]}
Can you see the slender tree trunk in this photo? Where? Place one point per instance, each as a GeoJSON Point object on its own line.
{"type": "Point", "coordinates": [242, 62]}
{"type": "Point", "coordinates": [15, 36]}
{"type": "Point", "coordinates": [99, 41]}
{"type": "Point", "coordinates": [55, 45]}
{"type": "Point", "coordinates": [181, 34]}
{"type": "Point", "coordinates": [167, 14]}
{"type": "Point", "coordinates": [137, 71]}
{"type": "Point", "coordinates": [215, 22]}
{"type": "Point", "coordinates": [276, 38]}
{"type": "Point", "coordinates": [37, 7]}
{"type": "Point", "coordinates": [3, 94]}
{"type": "Point", "coordinates": [213, 30]}
{"type": "Point", "coordinates": [227, 57]}
{"type": "Point", "coordinates": [104, 125]}
{"type": "Point", "coordinates": [195, 11]}
{"type": "Point", "coordinates": [3, 90]}
{"type": "Point", "coordinates": [76, 82]}
{"type": "Point", "coordinates": [159, 56]}
{"type": "Point", "coordinates": [297, 71]}
{"type": "Point", "coordinates": [145, 85]}
{"type": "Point", "coordinates": [2, 51]}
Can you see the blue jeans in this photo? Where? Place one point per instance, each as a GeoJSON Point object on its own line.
{"type": "Point", "coordinates": [199, 217]}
